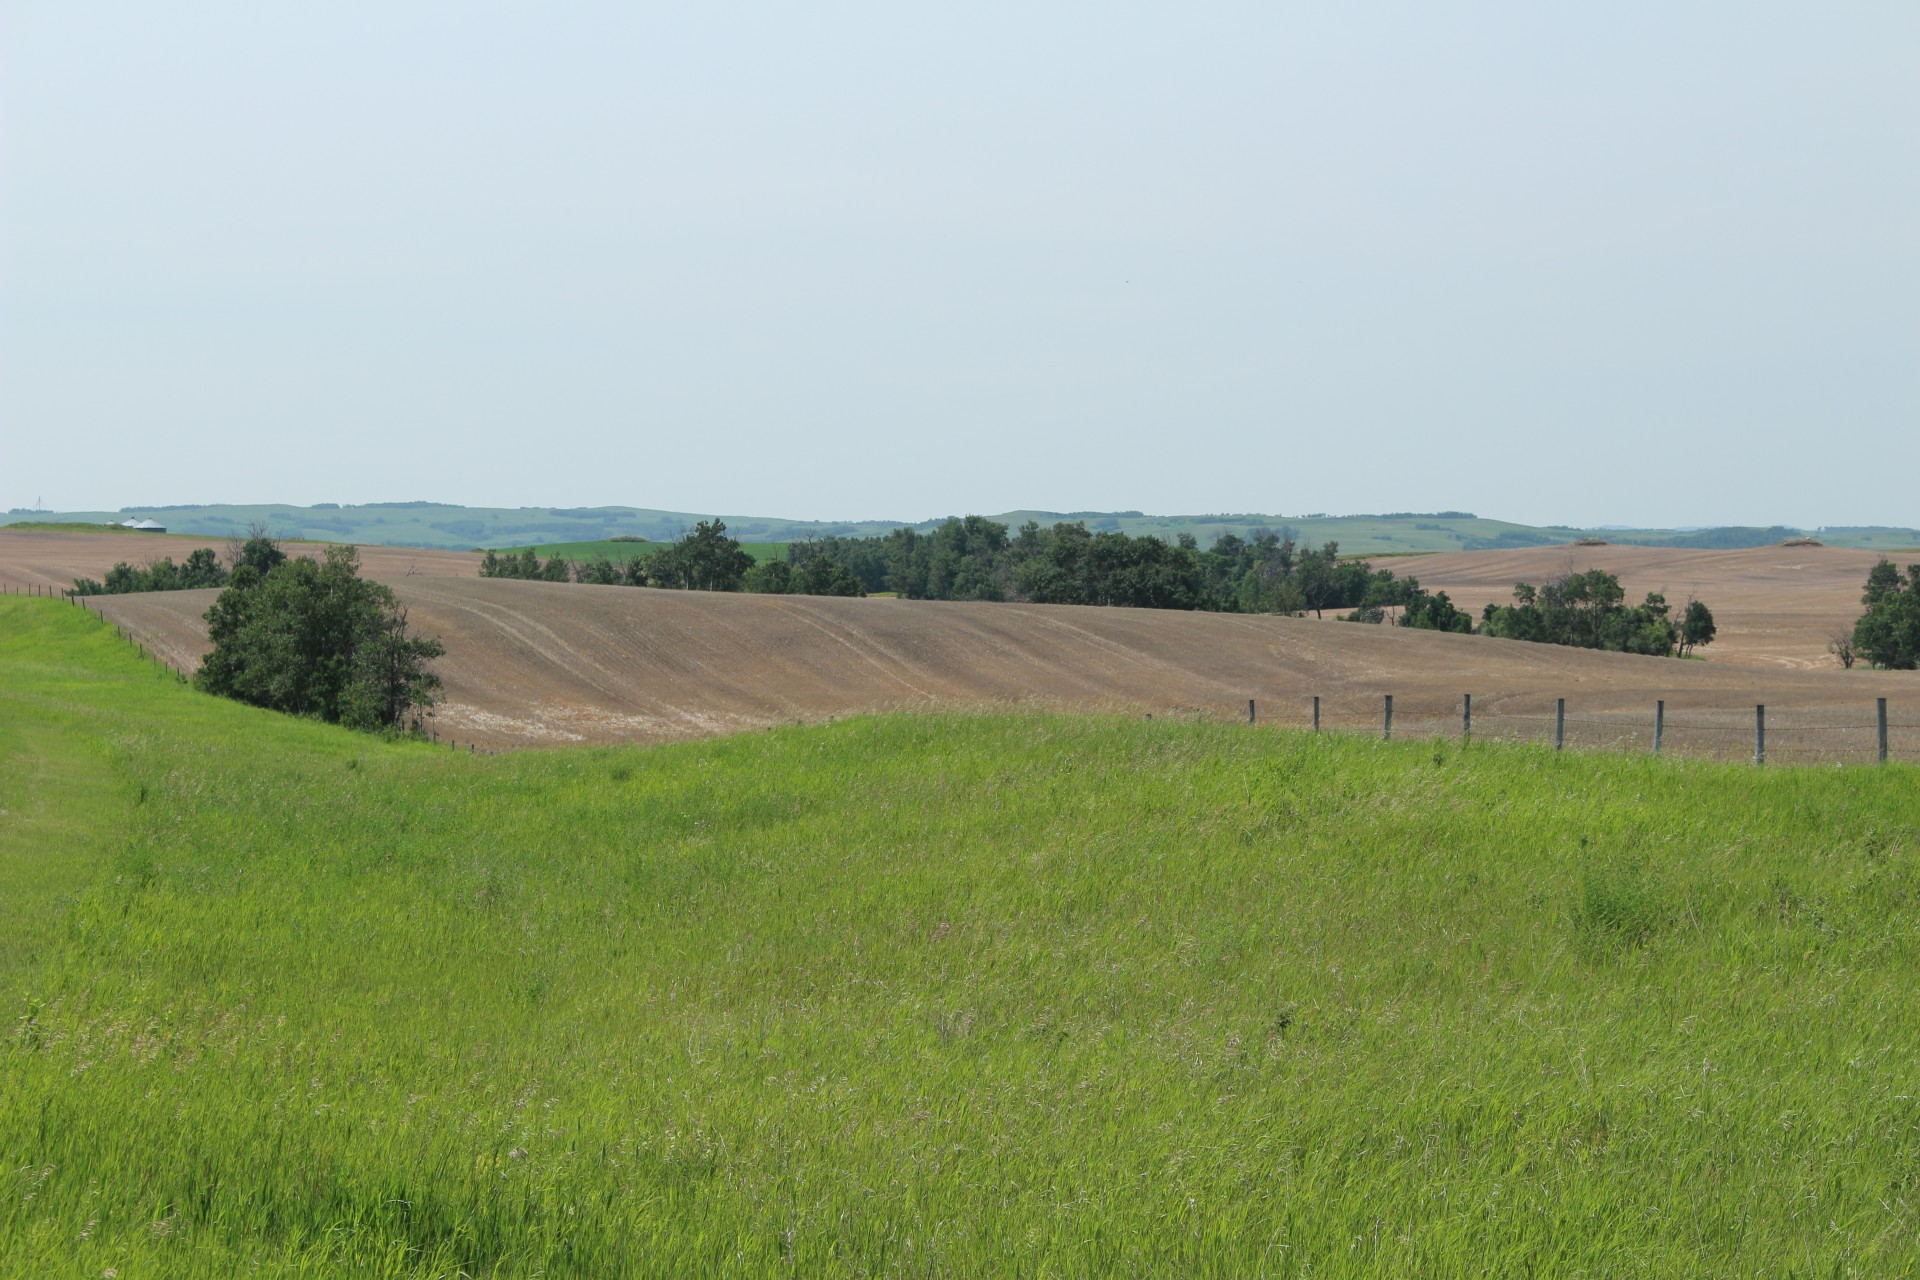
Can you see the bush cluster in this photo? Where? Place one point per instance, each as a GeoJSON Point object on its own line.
{"type": "Point", "coordinates": [313, 638]}
{"type": "Point", "coordinates": [201, 569]}
{"type": "Point", "coordinates": [1589, 611]}
{"type": "Point", "coordinates": [1888, 633]}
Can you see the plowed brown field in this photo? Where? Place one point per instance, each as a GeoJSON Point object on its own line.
{"type": "Point", "coordinates": [1775, 606]}
{"type": "Point", "coordinates": [46, 559]}
{"type": "Point", "coordinates": [533, 662]}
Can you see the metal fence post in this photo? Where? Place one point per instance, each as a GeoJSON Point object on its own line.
{"type": "Point", "coordinates": [1466, 716]}
{"type": "Point", "coordinates": [1250, 713]}
{"type": "Point", "coordinates": [1386, 720]}
{"type": "Point", "coordinates": [1316, 713]}
{"type": "Point", "coordinates": [1559, 723]}
{"type": "Point", "coordinates": [1759, 733]}
{"type": "Point", "coordinates": [1659, 723]}
{"type": "Point", "coordinates": [1881, 715]}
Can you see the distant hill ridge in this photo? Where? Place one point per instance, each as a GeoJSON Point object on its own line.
{"type": "Point", "coordinates": [447, 525]}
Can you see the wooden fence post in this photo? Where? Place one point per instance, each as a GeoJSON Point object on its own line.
{"type": "Point", "coordinates": [1559, 723]}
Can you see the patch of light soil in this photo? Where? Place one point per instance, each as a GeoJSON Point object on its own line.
{"type": "Point", "coordinates": [456, 715]}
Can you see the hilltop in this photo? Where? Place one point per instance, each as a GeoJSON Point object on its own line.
{"type": "Point", "coordinates": [449, 526]}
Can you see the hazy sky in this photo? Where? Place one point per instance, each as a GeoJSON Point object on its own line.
{"type": "Point", "coordinates": [1625, 262]}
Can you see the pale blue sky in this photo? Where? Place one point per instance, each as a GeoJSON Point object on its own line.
{"type": "Point", "coordinates": [1627, 262]}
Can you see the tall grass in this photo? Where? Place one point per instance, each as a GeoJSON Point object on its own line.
{"type": "Point", "coordinates": [934, 995]}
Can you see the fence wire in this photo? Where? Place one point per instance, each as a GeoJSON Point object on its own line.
{"type": "Point", "coordinates": [1823, 734]}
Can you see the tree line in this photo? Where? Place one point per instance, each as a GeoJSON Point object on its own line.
{"type": "Point", "coordinates": [202, 568]}
{"type": "Point", "coordinates": [974, 558]}
{"type": "Point", "coordinates": [704, 559]}
{"type": "Point", "coordinates": [1589, 611]}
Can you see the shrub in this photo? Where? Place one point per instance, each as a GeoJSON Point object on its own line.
{"type": "Point", "coordinates": [315, 639]}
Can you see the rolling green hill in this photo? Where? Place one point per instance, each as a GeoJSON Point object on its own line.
{"type": "Point", "coordinates": [433, 524]}
{"type": "Point", "coordinates": [933, 995]}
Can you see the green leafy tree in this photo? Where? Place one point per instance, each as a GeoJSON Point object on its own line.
{"type": "Point", "coordinates": [260, 553]}
{"type": "Point", "coordinates": [1696, 627]}
{"type": "Point", "coordinates": [774, 578]}
{"type": "Point", "coordinates": [599, 572]}
{"type": "Point", "coordinates": [201, 569]}
{"type": "Point", "coordinates": [1589, 611]}
{"type": "Point", "coordinates": [1888, 633]}
{"type": "Point", "coordinates": [1319, 585]}
{"type": "Point", "coordinates": [704, 559]}
{"type": "Point", "coordinates": [819, 575]}
{"type": "Point", "coordinates": [313, 638]}
{"type": "Point", "coordinates": [528, 567]}
{"type": "Point", "coordinates": [1434, 612]}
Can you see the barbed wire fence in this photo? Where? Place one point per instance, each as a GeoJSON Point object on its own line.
{"type": "Point", "coordinates": [1873, 731]}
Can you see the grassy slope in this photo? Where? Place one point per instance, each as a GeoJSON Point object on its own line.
{"type": "Point", "coordinates": [933, 995]}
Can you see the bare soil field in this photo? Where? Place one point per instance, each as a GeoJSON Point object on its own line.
{"type": "Point", "coordinates": [1775, 606]}
{"type": "Point", "coordinates": [47, 559]}
{"type": "Point", "coordinates": [545, 663]}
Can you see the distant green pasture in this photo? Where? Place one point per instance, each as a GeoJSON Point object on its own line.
{"type": "Point", "coordinates": [68, 526]}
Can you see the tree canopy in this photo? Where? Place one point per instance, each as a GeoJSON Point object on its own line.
{"type": "Point", "coordinates": [1888, 633]}
{"type": "Point", "coordinates": [1589, 611]}
{"type": "Point", "coordinates": [313, 638]}
{"type": "Point", "coordinates": [704, 559]}
{"type": "Point", "coordinates": [199, 570]}
{"type": "Point", "coordinates": [974, 558]}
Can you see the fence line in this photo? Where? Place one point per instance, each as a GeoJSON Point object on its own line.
{"type": "Point", "coordinates": [1613, 729]}
{"type": "Point", "coordinates": [1755, 731]}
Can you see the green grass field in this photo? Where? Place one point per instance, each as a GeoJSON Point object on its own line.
{"type": "Point", "coordinates": [621, 552]}
{"type": "Point", "coordinates": [934, 996]}
{"type": "Point", "coordinates": [65, 526]}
